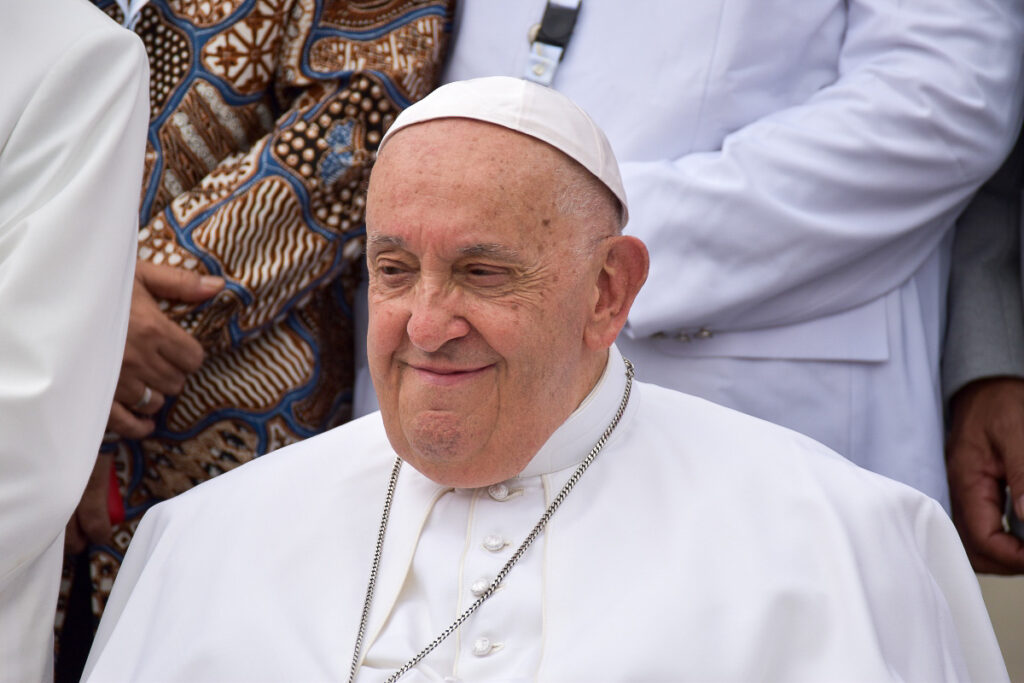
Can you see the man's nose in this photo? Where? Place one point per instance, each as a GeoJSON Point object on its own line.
{"type": "Point", "coordinates": [434, 319]}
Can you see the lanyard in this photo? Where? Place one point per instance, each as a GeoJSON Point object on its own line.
{"type": "Point", "coordinates": [552, 36]}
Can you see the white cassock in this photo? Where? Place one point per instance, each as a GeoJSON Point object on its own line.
{"type": "Point", "coordinates": [794, 169]}
{"type": "Point", "coordinates": [73, 114]}
{"type": "Point", "coordinates": [702, 544]}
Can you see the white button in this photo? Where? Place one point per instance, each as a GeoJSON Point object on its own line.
{"type": "Point", "coordinates": [683, 337]}
{"type": "Point", "coordinates": [705, 333]}
{"type": "Point", "coordinates": [479, 586]}
{"type": "Point", "coordinates": [539, 69]}
{"type": "Point", "coordinates": [494, 542]}
{"type": "Point", "coordinates": [498, 491]}
{"type": "Point", "coordinates": [481, 647]}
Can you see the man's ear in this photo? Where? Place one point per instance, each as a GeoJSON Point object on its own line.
{"type": "Point", "coordinates": [622, 274]}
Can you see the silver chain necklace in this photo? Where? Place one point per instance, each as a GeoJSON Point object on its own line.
{"type": "Point", "coordinates": [537, 529]}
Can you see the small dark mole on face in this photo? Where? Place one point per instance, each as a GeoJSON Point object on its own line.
{"type": "Point", "coordinates": [546, 222]}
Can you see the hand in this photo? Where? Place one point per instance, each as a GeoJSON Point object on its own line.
{"type": "Point", "coordinates": [91, 520]}
{"type": "Point", "coordinates": [158, 354]}
{"type": "Point", "coordinates": [985, 452]}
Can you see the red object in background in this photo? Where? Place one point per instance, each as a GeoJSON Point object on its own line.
{"type": "Point", "coordinates": [115, 504]}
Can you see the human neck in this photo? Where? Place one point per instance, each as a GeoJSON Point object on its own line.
{"type": "Point", "coordinates": [569, 443]}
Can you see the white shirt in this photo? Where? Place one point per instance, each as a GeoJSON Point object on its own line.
{"type": "Point", "coordinates": [701, 544]}
{"type": "Point", "coordinates": [72, 131]}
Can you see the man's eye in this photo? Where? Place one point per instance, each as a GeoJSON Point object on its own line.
{"type": "Point", "coordinates": [392, 270]}
{"type": "Point", "coordinates": [487, 275]}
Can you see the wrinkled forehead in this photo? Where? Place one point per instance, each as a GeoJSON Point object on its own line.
{"type": "Point", "coordinates": [444, 146]}
{"type": "Point", "coordinates": [467, 168]}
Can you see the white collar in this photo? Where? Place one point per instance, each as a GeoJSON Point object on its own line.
{"type": "Point", "coordinates": [572, 441]}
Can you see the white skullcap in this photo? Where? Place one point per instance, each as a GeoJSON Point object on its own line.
{"type": "Point", "coordinates": [527, 108]}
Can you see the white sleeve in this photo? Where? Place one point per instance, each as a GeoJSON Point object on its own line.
{"type": "Point", "coordinates": [70, 173]}
{"type": "Point", "coordinates": [830, 204]}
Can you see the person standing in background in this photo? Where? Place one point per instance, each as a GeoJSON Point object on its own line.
{"type": "Point", "coordinates": [264, 125]}
{"type": "Point", "coordinates": [983, 373]}
{"type": "Point", "coordinates": [796, 169]}
{"type": "Point", "coordinates": [72, 133]}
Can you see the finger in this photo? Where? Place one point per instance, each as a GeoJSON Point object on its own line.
{"type": "Point", "coordinates": [74, 537]}
{"type": "Point", "coordinates": [975, 487]}
{"type": "Point", "coordinates": [130, 392]}
{"type": "Point", "coordinates": [152, 406]}
{"type": "Point", "coordinates": [976, 491]}
{"type": "Point", "coordinates": [169, 282]}
{"type": "Point", "coordinates": [977, 511]}
{"type": "Point", "coordinates": [154, 340]}
{"type": "Point", "coordinates": [150, 369]}
{"type": "Point", "coordinates": [994, 551]}
{"type": "Point", "coordinates": [181, 350]}
{"type": "Point", "coordinates": [127, 425]}
{"type": "Point", "coordinates": [92, 514]}
{"type": "Point", "coordinates": [97, 528]}
{"type": "Point", "coordinates": [1003, 554]}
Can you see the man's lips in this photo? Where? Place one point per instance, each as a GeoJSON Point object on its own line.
{"type": "Point", "coordinates": [448, 376]}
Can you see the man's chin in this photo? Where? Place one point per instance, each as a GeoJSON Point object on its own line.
{"type": "Point", "coordinates": [436, 435]}
{"type": "Point", "coordinates": [440, 446]}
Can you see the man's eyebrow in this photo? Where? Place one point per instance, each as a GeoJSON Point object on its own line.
{"type": "Point", "coordinates": [484, 249]}
{"type": "Point", "coordinates": [384, 242]}
{"type": "Point", "coordinates": [491, 250]}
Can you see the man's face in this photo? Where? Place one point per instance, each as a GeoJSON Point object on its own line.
{"type": "Point", "coordinates": [478, 295]}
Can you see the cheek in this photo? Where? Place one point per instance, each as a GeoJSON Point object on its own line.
{"type": "Point", "coordinates": [532, 331]}
{"type": "Point", "coordinates": [505, 327]}
{"type": "Point", "coordinates": [385, 330]}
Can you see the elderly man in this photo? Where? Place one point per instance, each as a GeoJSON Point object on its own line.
{"type": "Point", "coordinates": [554, 519]}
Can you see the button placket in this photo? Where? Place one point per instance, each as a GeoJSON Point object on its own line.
{"type": "Point", "coordinates": [501, 512]}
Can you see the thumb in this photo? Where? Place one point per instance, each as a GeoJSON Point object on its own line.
{"type": "Point", "coordinates": [168, 282]}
